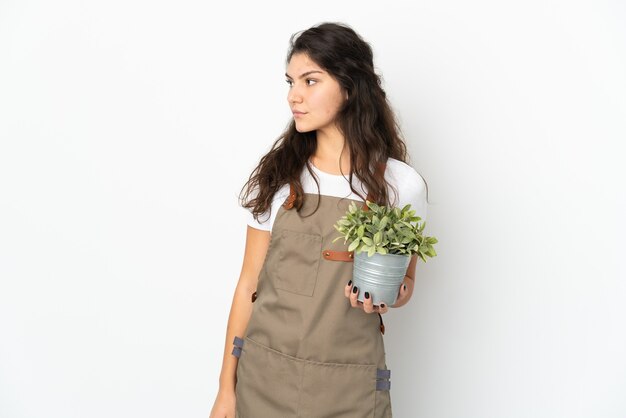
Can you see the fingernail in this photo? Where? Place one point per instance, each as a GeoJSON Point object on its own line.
{"type": "Point", "coordinates": [350, 282]}
{"type": "Point", "coordinates": [355, 289]}
{"type": "Point", "coordinates": [367, 295]}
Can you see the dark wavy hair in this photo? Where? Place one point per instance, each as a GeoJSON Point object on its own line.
{"type": "Point", "coordinates": [366, 121]}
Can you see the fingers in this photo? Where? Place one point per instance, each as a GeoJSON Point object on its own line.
{"type": "Point", "coordinates": [348, 289]}
{"type": "Point", "coordinates": [352, 292]}
{"type": "Point", "coordinates": [368, 305]}
{"type": "Point", "coordinates": [353, 297]}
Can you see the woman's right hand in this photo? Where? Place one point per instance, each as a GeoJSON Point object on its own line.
{"type": "Point", "coordinates": [224, 406]}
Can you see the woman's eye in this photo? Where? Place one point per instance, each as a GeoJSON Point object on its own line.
{"type": "Point", "coordinates": [308, 82]}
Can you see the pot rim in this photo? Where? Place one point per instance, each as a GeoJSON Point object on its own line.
{"type": "Point", "coordinates": [379, 254]}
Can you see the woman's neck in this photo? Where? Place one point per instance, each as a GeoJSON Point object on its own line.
{"type": "Point", "coordinates": [332, 153]}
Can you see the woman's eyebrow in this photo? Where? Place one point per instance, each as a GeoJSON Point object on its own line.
{"type": "Point", "coordinates": [305, 74]}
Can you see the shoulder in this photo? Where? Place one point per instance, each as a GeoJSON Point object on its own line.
{"type": "Point", "coordinates": [404, 176]}
{"type": "Point", "coordinates": [400, 167]}
{"type": "Point", "coordinates": [410, 186]}
{"type": "Point", "coordinates": [282, 193]}
{"type": "Point", "coordinates": [266, 220]}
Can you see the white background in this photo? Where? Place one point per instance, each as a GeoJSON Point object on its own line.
{"type": "Point", "coordinates": [127, 129]}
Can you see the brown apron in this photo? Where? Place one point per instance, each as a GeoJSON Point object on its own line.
{"type": "Point", "coordinates": [307, 352]}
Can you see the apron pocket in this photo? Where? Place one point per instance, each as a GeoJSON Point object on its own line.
{"type": "Point", "coordinates": [267, 383]}
{"type": "Point", "coordinates": [338, 390]}
{"type": "Point", "coordinates": [298, 262]}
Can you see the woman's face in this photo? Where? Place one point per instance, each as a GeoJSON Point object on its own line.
{"type": "Point", "coordinates": [314, 96]}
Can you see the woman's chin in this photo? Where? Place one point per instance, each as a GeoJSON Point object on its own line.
{"type": "Point", "coordinates": [303, 129]}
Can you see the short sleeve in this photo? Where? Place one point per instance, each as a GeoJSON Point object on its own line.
{"type": "Point", "coordinates": [264, 225]}
{"type": "Point", "coordinates": [411, 188]}
{"type": "Point", "coordinates": [266, 219]}
{"type": "Point", "coordinates": [417, 196]}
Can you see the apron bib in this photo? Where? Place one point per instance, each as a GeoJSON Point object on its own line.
{"type": "Point", "coordinates": [307, 352]}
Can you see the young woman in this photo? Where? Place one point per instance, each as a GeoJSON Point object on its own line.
{"type": "Point", "coordinates": [298, 342]}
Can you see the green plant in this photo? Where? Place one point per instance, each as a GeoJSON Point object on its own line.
{"type": "Point", "coordinates": [385, 230]}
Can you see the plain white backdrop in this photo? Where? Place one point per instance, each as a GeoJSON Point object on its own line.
{"type": "Point", "coordinates": [127, 129]}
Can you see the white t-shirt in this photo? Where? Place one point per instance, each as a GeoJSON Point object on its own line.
{"type": "Point", "coordinates": [410, 187]}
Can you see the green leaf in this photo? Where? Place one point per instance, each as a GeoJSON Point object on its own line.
{"type": "Point", "coordinates": [384, 230]}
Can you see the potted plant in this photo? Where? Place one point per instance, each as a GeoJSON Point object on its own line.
{"type": "Point", "coordinates": [383, 240]}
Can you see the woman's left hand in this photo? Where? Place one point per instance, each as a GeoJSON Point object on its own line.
{"type": "Point", "coordinates": [351, 292]}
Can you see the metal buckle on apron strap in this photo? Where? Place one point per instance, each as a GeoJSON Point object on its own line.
{"type": "Point", "coordinates": [238, 342]}
{"type": "Point", "coordinates": [383, 377]}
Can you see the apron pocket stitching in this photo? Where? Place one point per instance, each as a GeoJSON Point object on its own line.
{"type": "Point", "coordinates": [297, 264]}
{"type": "Point", "coordinates": [359, 365]}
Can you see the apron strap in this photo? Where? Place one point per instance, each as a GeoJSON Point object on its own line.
{"type": "Point", "coordinates": [338, 255]}
{"type": "Point", "coordinates": [383, 377]}
{"type": "Point", "coordinates": [291, 199]}
{"type": "Point", "coordinates": [238, 346]}
{"type": "Point", "coordinates": [383, 385]}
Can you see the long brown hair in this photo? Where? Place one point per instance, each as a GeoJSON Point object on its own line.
{"type": "Point", "coordinates": [366, 121]}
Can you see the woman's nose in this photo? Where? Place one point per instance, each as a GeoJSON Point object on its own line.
{"type": "Point", "coordinates": [294, 95]}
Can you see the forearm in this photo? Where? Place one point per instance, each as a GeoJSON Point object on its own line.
{"type": "Point", "coordinates": [238, 318]}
